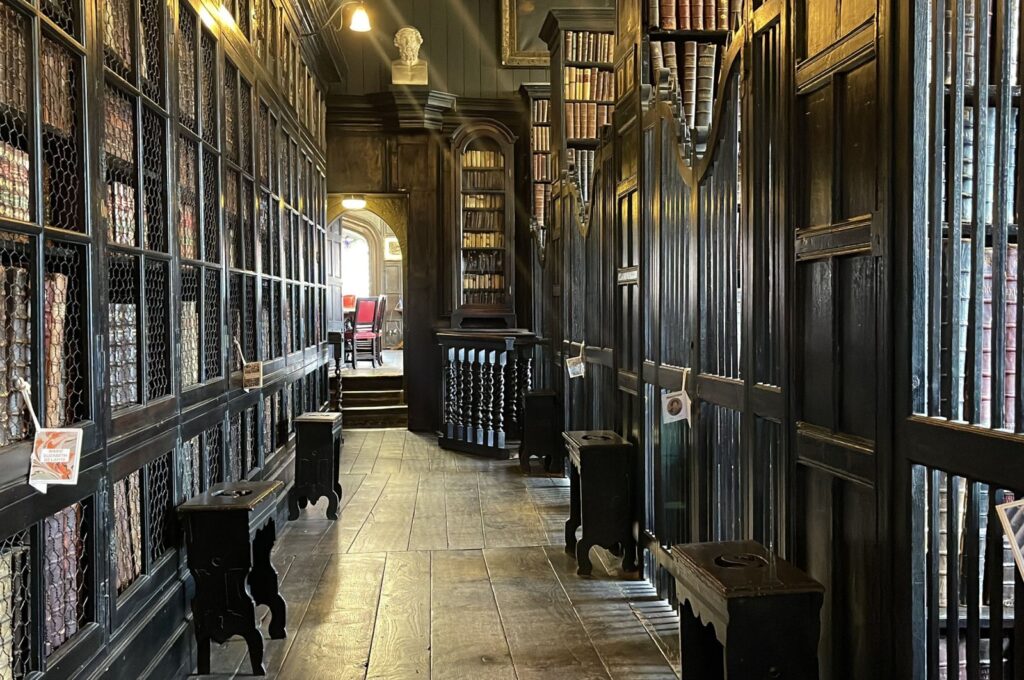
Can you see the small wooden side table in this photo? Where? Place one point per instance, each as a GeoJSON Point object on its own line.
{"type": "Point", "coordinates": [317, 462]}
{"type": "Point", "coordinates": [542, 427]}
{"type": "Point", "coordinates": [600, 489]}
{"type": "Point", "coordinates": [762, 610]}
{"type": "Point", "coordinates": [229, 533]}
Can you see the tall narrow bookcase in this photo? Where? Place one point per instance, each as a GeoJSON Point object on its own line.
{"type": "Point", "coordinates": [484, 233]}
{"type": "Point", "coordinates": [540, 175]}
{"type": "Point", "coordinates": [581, 42]}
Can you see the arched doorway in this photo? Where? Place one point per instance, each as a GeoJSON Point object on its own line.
{"type": "Point", "coordinates": [371, 265]}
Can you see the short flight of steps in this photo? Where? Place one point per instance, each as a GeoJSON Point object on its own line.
{"type": "Point", "coordinates": [373, 402]}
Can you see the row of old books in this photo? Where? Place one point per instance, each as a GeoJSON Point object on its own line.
{"type": "Point", "coordinates": [483, 281]}
{"type": "Point", "coordinates": [189, 343]}
{"type": "Point", "coordinates": [1009, 283]}
{"type": "Point", "coordinates": [483, 220]}
{"type": "Point", "coordinates": [969, 190]}
{"type": "Point", "coordinates": [483, 201]}
{"type": "Point", "coordinates": [121, 211]}
{"type": "Point", "coordinates": [57, 76]}
{"type": "Point", "coordinates": [969, 43]}
{"type": "Point", "coordinates": [694, 81]}
{"type": "Point", "coordinates": [13, 61]}
{"type": "Point", "coordinates": [589, 84]}
{"type": "Point", "coordinates": [117, 37]}
{"type": "Point", "coordinates": [15, 621]}
{"type": "Point", "coordinates": [589, 46]}
{"type": "Point", "coordinates": [583, 120]}
{"type": "Point", "coordinates": [476, 158]}
{"type": "Point", "coordinates": [124, 354]}
{"type": "Point", "coordinates": [127, 531]}
{"type": "Point", "coordinates": [483, 239]}
{"type": "Point", "coordinates": [15, 350]}
{"type": "Point", "coordinates": [542, 167]}
{"type": "Point", "coordinates": [482, 179]}
{"type": "Point", "coordinates": [15, 183]}
{"type": "Point", "coordinates": [540, 138]}
{"type": "Point", "coordinates": [55, 311]}
{"type": "Point", "coordinates": [693, 15]}
{"type": "Point", "coordinates": [476, 262]}
{"type": "Point", "coordinates": [541, 199]}
{"type": "Point", "coordinates": [63, 574]}
{"type": "Point", "coordinates": [541, 111]}
{"type": "Point", "coordinates": [583, 161]}
{"type": "Point", "coordinates": [119, 133]}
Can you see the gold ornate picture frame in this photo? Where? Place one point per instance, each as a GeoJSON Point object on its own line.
{"type": "Point", "coordinates": [513, 50]}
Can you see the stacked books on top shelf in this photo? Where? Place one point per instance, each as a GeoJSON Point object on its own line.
{"type": "Point", "coordinates": [583, 161]}
{"type": "Point", "coordinates": [588, 46]}
{"type": "Point", "coordinates": [15, 343]}
{"type": "Point", "coordinates": [540, 148]}
{"type": "Point", "coordinates": [693, 83]}
{"type": "Point", "coordinates": [14, 183]}
{"type": "Point", "coordinates": [693, 15]}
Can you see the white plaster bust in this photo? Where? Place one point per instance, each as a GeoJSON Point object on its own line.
{"type": "Point", "coordinates": [409, 69]}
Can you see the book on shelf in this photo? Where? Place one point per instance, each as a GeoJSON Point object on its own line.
{"type": "Point", "coordinates": [15, 637]}
{"type": "Point", "coordinates": [589, 46]}
{"type": "Point", "coordinates": [121, 213]}
{"type": "Point", "coordinates": [18, 351]}
{"type": "Point", "coordinates": [119, 132]}
{"type": "Point", "coordinates": [483, 201]}
{"type": "Point", "coordinates": [13, 60]}
{"type": "Point", "coordinates": [706, 58]}
{"type": "Point", "coordinates": [189, 343]}
{"type": "Point", "coordinates": [127, 531]}
{"type": "Point", "coordinates": [55, 305]}
{"type": "Point", "coordinates": [116, 34]}
{"type": "Point", "coordinates": [123, 354]}
{"type": "Point", "coordinates": [489, 220]}
{"type": "Point", "coordinates": [541, 198]}
{"type": "Point", "coordinates": [541, 110]}
{"type": "Point", "coordinates": [62, 553]}
{"type": "Point", "coordinates": [583, 160]}
{"type": "Point", "coordinates": [475, 158]}
{"type": "Point", "coordinates": [58, 94]}
{"type": "Point", "coordinates": [542, 167]}
{"type": "Point", "coordinates": [663, 13]}
{"type": "Point", "coordinates": [15, 183]}
{"type": "Point", "coordinates": [689, 83]}
{"type": "Point", "coordinates": [483, 239]}
{"type": "Point", "coordinates": [589, 84]}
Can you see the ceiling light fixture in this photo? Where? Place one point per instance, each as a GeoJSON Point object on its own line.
{"type": "Point", "coordinates": [358, 18]}
{"type": "Point", "coordinates": [353, 202]}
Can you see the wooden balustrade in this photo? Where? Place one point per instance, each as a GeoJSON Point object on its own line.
{"type": "Point", "coordinates": [485, 377]}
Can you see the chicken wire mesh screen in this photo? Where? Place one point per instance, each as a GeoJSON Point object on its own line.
{"type": "Point", "coordinates": [246, 229]}
{"type": "Point", "coordinates": [188, 199]}
{"type": "Point", "coordinates": [127, 530]}
{"type": "Point", "coordinates": [65, 14]}
{"type": "Point", "coordinates": [245, 125]}
{"type": "Point", "coordinates": [250, 451]}
{"type": "Point", "coordinates": [119, 167]}
{"type": "Point", "coordinates": [267, 423]}
{"type": "Point", "coordinates": [66, 564]}
{"type": "Point", "coordinates": [230, 97]}
{"type": "Point", "coordinates": [15, 326]}
{"type": "Point", "coordinates": [263, 226]}
{"type": "Point", "coordinates": [117, 36]}
{"type": "Point", "coordinates": [123, 319]}
{"type": "Point", "coordinates": [15, 125]}
{"type": "Point", "coordinates": [235, 447]}
{"type": "Point", "coordinates": [208, 81]}
{"type": "Point", "coordinates": [249, 318]}
{"type": "Point", "coordinates": [16, 623]}
{"type": "Point", "coordinates": [158, 381]}
{"type": "Point", "coordinates": [151, 69]}
{"type": "Point", "coordinates": [231, 223]}
{"type": "Point", "coordinates": [263, 145]}
{"type": "Point", "coordinates": [235, 304]}
{"type": "Point", "coordinates": [211, 324]}
{"type": "Point", "coordinates": [189, 325]}
{"type": "Point", "coordinates": [187, 101]}
{"type": "Point", "coordinates": [212, 453]}
{"type": "Point", "coordinates": [190, 466]}
{"type": "Point", "coordinates": [159, 487]}
{"type": "Point", "coordinates": [154, 179]}
{"type": "Point", "coordinates": [211, 206]}
{"type": "Point", "coordinates": [62, 157]}
{"type": "Point", "coordinates": [64, 347]}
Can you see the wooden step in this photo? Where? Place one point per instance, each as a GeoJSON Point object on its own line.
{"type": "Point", "coordinates": [373, 397]}
{"type": "Point", "coordinates": [371, 383]}
{"type": "Point", "coordinates": [357, 417]}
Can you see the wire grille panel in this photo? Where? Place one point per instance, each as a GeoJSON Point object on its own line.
{"type": "Point", "coordinates": [246, 125]}
{"type": "Point", "coordinates": [235, 447]}
{"type": "Point", "coordinates": [208, 79]}
{"type": "Point", "coordinates": [211, 206]}
{"type": "Point", "coordinates": [231, 218]}
{"type": "Point", "coordinates": [235, 320]}
{"type": "Point", "coordinates": [16, 624]}
{"type": "Point", "coordinates": [268, 427]}
{"type": "Point", "coordinates": [119, 162]}
{"type": "Point", "coordinates": [212, 324]}
{"type": "Point", "coordinates": [287, 314]}
{"type": "Point", "coordinates": [62, 157]}
{"type": "Point", "coordinates": [249, 319]}
{"type": "Point", "coordinates": [190, 464]}
{"type": "Point", "coordinates": [128, 530]}
{"type": "Point", "coordinates": [154, 179]}
{"type": "Point", "coordinates": [66, 573]}
{"type": "Point", "coordinates": [158, 381]}
{"type": "Point", "coordinates": [212, 453]}
{"type": "Point", "coordinates": [15, 326]}
{"type": "Point", "coordinates": [161, 507]}
{"type": "Point", "coordinates": [263, 222]}
{"type": "Point", "coordinates": [243, 18]}
{"type": "Point", "coordinates": [187, 100]}
{"type": "Point", "coordinates": [63, 335]}
{"type": "Point", "coordinates": [123, 286]}
{"type": "Point", "coordinates": [151, 65]}
{"type": "Point", "coordinates": [264, 147]}
{"type": "Point", "coordinates": [251, 462]}
{"type": "Point", "coordinates": [189, 325]}
{"type": "Point", "coordinates": [64, 13]}
{"type": "Point", "coordinates": [117, 36]}
{"type": "Point", "coordinates": [188, 201]}
{"type": "Point", "coordinates": [16, 201]}
{"type": "Point", "coordinates": [246, 231]}
{"type": "Point", "coordinates": [231, 112]}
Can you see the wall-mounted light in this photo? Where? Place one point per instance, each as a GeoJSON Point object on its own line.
{"type": "Point", "coordinates": [360, 20]}
{"type": "Point", "coordinates": [353, 202]}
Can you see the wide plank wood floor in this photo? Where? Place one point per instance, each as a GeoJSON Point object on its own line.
{"type": "Point", "coordinates": [451, 567]}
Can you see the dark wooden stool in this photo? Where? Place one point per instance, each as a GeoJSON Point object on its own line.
{"type": "Point", "coordinates": [600, 480]}
{"type": "Point", "coordinates": [542, 429]}
{"type": "Point", "coordinates": [765, 615]}
{"type": "Point", "coordinates": [229, 533]}
{"type": "Point", "coordinates": [317, 462]}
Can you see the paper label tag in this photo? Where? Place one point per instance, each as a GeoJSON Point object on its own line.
{"type": "Point", "coordinates": [675, 406]}
{"type": "Point", "coordinates": [576, 366]}
{"type": "Point", "coordinates": [1011, 515]}
{"type": "Point", "coordinates": [56, 457]}
{"type": "Point", "coordinates": [252, 375]}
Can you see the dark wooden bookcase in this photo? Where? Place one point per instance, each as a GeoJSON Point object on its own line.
{"type": "Point", "coordinates": [158, 221]}
{"type": "Point", "coordinates": [483, 242]}
{"type": "Point", "coordinates": [540, 173]}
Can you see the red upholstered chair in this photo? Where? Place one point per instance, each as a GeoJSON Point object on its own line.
{"type": "Point", "coordinates": [378, 326]}
{"type": "Point", "coordinates": [361, 340]}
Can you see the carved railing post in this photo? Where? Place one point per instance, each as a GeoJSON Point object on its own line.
{"type": "Point", "coordinates": [486, 435]}
{"type": "Point", "coordinates": [499, 394]}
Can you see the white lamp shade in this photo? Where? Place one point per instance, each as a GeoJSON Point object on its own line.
{"type": "Point", "coordinates": [360, 21]}
{"type": "Point", "coordinates": [353, 202]}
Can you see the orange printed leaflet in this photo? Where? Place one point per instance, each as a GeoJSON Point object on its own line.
{"type": "Point", "coordinates": [56, 456]}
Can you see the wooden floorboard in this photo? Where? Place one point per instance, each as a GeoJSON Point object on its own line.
{"type": "Point", "coordinates": [450, 567]}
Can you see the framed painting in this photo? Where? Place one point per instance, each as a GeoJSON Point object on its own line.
{"type": "Point", "coordinates": [521, 21]}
